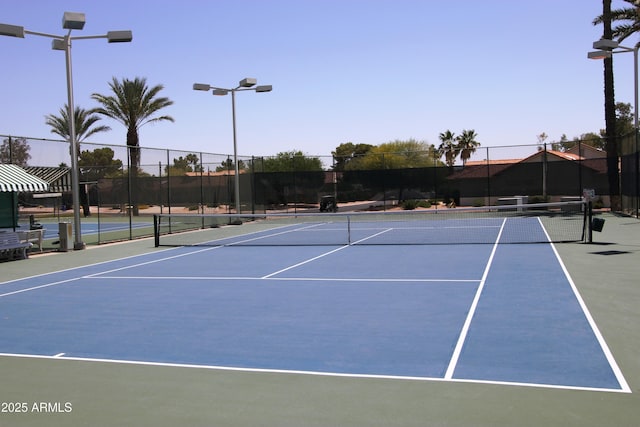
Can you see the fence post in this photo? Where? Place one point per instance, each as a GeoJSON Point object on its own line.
{"type": "Point", "coordinates": [637, 171]}
{"type": "Point", "coordinates": [384, 186]}
{"type": "Point", "coordinates": [580, 186]}
{"type": "Point", "coordinates": [202, 204]}
{"type": "Point", "coordinates": [129, 207]}
{"type": "Point", "coordinates": [589, 220]}
{"type": "Point", "coordinates": [252, 169]}
{"type": "Point", "coordinates": [168, 184]}
{"type": "Point", "coordinates": [544, 172]}
{"type": "Point", "coordinates": [488, 178]}
{"type": "Point", "coordinates": [229, 189]}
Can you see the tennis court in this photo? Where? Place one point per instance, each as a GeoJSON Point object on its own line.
{"type": "Point", "coordinates": [286, 299]}
{"type": "Point", "coordinates": [89, 227]}
{"type": "Point", "coordinates": [94, 229]}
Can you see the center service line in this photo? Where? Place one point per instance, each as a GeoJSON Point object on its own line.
{"type": "Point", "coordinates": [467, 323]}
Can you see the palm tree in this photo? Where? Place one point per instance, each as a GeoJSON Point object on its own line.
{"type": "Point", "coordinates": [621, 32]}
{"type": "Point", "coordinates": [84, 121]}
{"type": "Point", "coordinates": [467, 144]}
{"type": "Point", "coordinates": [448, 147]}
{"type": "Point", "coordinates": [628, 20]}
{"type": "Point", "coordinates": [133, 104]}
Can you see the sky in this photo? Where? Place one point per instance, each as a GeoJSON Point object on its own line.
{"type": "Point", "coordinates": [361, 71]}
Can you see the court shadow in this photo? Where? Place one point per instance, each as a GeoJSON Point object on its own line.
{"type": "Point", "coordinates": [612, 252]}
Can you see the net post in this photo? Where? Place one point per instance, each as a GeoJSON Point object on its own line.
{"type": "Point", "coordinates": [349, 229]}
{"type": "Point", "coordinates": [156, 231]}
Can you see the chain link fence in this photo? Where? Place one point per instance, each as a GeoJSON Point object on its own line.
{"type": "Point", "coordinates": [629, 174]}
{"type": "Point", "coordinates": [119, 199]}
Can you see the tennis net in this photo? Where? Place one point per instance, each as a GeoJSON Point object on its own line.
{"type": "Point", "coordinates": [528, 223]}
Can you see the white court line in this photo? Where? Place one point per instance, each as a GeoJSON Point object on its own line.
{"type": "Point", "coordinates": [298, 279]}
{"type": "Point", "coordinates": [467, 323]}
{"type": "Point", "coordinates": [322, 255]}
{"type": "Point", "coordinates": [8, 282]}
{"type": "Point", "coordinates": [304, 262]}
{"type": "Point", "coordinates": [46, 285]}
{"type": "Point", "coordinates": [152, 261]}
{"type": "Point", "coordinates": [372, 236]}
{"type": "Point", "coordinates": [312, 373]}
{"type": "Point", "coordinates": [60, 282]}
{"type": "Point", "coordinates": [305, 228]}
{"type": "Point", "coordinates": [603, 344]}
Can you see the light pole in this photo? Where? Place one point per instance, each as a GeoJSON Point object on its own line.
{"type": "Point", "coordinates": [245, 84]}
{"type": "Point", "coordinates": [606, 48]}
{"type": "Point", "coordinates": [70, 21]}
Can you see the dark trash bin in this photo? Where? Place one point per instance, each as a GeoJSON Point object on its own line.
{"type": "Point", "coordinates": [597, 224]}
{"type": "Point", "coordinates": [328, 204]}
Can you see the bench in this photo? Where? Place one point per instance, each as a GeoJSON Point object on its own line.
{"type": "Point", "coordinates": [33, 236]}
{"type": "Point", "coordinates": [11, 247]}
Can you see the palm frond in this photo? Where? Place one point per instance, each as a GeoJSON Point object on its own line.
{"type": "Point", "coordinates": [133, 103]}
{"type": "Point", "coordinates": [84, 123]}
{"type": "Point", "coordinates": [627, 20]}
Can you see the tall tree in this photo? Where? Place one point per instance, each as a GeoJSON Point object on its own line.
{"type": "Point", "coordinates": [624, 118]}
{"type": "Point", "coordinates": [448, 147]}
{"type": "Point", "coordinates": [542, 138]}
{"type": "Point", "coordinates": [84, 123]}
{"type": "Point", "coordinates": [227, 165]}
{"type": "Point", "coordinates": [627, 20]}
{"type": "Point", "coordinates": [99, 163]}
{"type": "Point", "coordinates": [15, 150]}
{"type": "Point", "coordinates": [183, 165]}
{"type": "Point", "coordinates": [292, 161]}
{"type": "Point", "coordinates": [133, 104]}
{"type": "Point", "coordinates": [400, 154]}
{"type": "Point", "coordinates": [194, 161]}
{"type": "Point", "coordinates": [611, 143]}
{"type": "Point", "coordinates": [467, 144]}
{"type": "Point", "coordinates": [348, 153]}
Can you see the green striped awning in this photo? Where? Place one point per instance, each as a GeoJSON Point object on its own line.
{"type": "Point", "coordinates": [14, 178]}
{"type": "Point", "coordinates": [59, 178]}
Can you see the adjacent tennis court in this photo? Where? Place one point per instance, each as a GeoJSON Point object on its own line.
{"type": "Point", "coordinates": [490, 308]}
{"type": "Point", "coordinates": [90, 227]}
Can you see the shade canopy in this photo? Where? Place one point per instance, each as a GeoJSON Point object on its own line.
{"type": "Point", "coordinates": [14, 179]}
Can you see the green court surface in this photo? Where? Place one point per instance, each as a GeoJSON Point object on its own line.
{"type": "Point", "coordinates": [62, 392]}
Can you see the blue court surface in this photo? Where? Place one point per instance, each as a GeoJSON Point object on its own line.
{"type": "Point", "coordinates": [497, 313]}
{"type": "Point", "coordinates": [92, 227]}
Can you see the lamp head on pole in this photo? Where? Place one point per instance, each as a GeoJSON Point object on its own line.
{"type": "Point", "coordinates": [605, 44]}
{"type": "Point", "coordinates": [123, 36]}
{"type": "Point", "coordinates": [73, 21]}
{"type": "Point", "coordinates": [11, 30]}
{"type": "Point", "coordinates": [201, 86]}
{"type": "Point", "coordinates": [248, 82]}
{"type": "Point", "coordinates": [58, 44]}
{"type": "Point", "coordinates": [599, 54]}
